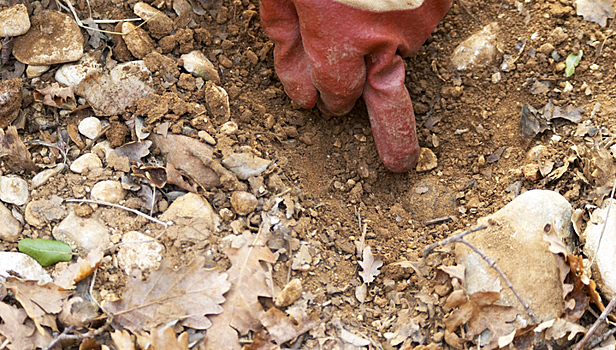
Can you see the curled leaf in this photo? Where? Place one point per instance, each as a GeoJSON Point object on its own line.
{"type": "Point", "coordinates": [45, 251]}
{"type": "Point", "coordinates": [571, 62]}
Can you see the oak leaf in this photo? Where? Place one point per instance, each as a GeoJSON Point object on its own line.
{"type": "Point", "coordinates": [18, 157]}
{"type": "Point", "coordinates": [249, 281]}
{"type": "Point", "coordinates": [54, 95]}
{"type": "Point", "coordinates": [19, 331]}
{"type": "Point", "coordinates": [79, 270]}
{"type": "Point", "coordinates": [370, 264]}
{"type": "Point", "coordinates": [187, 294]}
{"type": "Point", "coordinates": [163, 338]}
{"type": "Point", "coordinates": [283, 329]}
{"type": "Point", "coordinates": [41, 302]}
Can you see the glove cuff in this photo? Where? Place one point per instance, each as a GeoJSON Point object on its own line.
{"type": "Point", "coordinates": [382, 5]}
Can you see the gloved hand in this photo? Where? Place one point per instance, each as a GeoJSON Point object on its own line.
{"type": "Point", "coordinates": [331, 52]}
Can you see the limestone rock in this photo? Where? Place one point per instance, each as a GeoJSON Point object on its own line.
{"type": "Point", "coordinates": [86, 163]}
{"type": "Point", "coordinates": [14, 190]}
{"type": "Point", "coordinates": [159, 25]}
{"type": "Point", "coordinates": [41, 212]}
{"type": "Point", "coordinates": [137, 40]}
{"type": "Point", "coordinates": [21, 264]}
{"type": "Point", "coordinates": [53, 38]}
{"type": "Point", "coordinates": [245, 165]}
{"type": "Point", "coordinates": [427, 160]}
{"type": "Point", "coordinates": [135, 253]}
{"type": "Point", "coordinates": [193, 206]}
{"type": "Point", "coordinates": [82, 234]}
{"type": "Point", "coordinates": [196, 63]}
{"type": "Point", "coordinates": [14, 21]}
{"type": "Point", "coordinates": [108, 191]}
{"type": "Point", "coordinates": [243, 202]}
{"type": "Point", "coordinates": [604, 268]}
{"type": "Point", "coordinates": [72, 74]}
{"type": "Point", "coordinates": [90, 127]}
{"type": "Point", "coordinates": [11, 227]}
{"type": "Point", "coordinates": [479, 50]}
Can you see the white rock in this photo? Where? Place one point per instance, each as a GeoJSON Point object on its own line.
{"type": "Point", "coordinates": [192, 205]}
{"type": "Point", "coordinates": [108, 191]}
{"type": "Point", "coordinates": [53, 38]}
{"type": "Point", "coordinates": [14, 21]}
{"type": "Point", "coordinates": [44, 176]}
{"type": "Point", "coordinates": [90, 127]}
{"type": "Point", "coordinates": [479, 50]}
{"type": "Point", "coordinates": [229, 128]}
{"type": "Point", "coordinates": [82, 234]}
{"type": "Point", "coordinates": [72, 74]}
{"type": "Point", "coordinates": [14, 190]}
{"type": "Point", "coordinates": [604, 267]}
{"type": "Point", "coordinates": [245, 165]}
{"type": "Point", "coordinates": [41, 212]}
{"type": "Point", "coordinates": [11, 227]}
{"type": "Point", "coordinates": [196, 63]}
{"type": "Point", "coordinates": [12, 263]}
{"type": "Point", "coordinates": [515, 240]}
{"type": "Point", "coordinates": [36, 71]}
{"type": "Point", "coordinates": [135, 253]}
{"type": "Point", "coordinates": [159, 25]}
{"type": "Point", "coordinates": [85, 163]}
{"type": "Point", "coordinates": [203, 135]}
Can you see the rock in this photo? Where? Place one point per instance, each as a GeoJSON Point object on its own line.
{"type": "Point", "coordinates": [44, 176]}
{"type": "Point", "coordinates": [192, 206]}
{"type": "Point", "coordinates": [515, 240]}
{"type": "Point", "coordinates": [86, 163]}
{"type": "Point", "coordinates": [36, 71]}
{"type": "Point", "coordinates": [196, 63]}
{"type": "Point", "coordinates": [14, 21]}
{"type": "Point", "coordinates": [108, 191]}
{"type": "Point", "coordinates": [243, 202]}
{"type": "Point", "coordinates": [229, 128]}
{"type": "Point", "coordinates": [159, 25]}
{"type": "Point", "coordinates": [12, 263]}
{"type": "Point", "coordinates": [289, 294]}
{"type": "Point", "coordinates": [245, 165]}
{"type": "Point", "coordinates": [90, 127]}
{"type": "Point", "coordinates": [479, 50]}
{"type": "Point", "coordinates": [14, 190]}
{"type": "Point", "coordinates": [217, 101]}
{"type": "Point", "coordinates": [11, 227]}
{"type": "Point", "coordinates": [604, 267]}
{"type": "Point", "coordinates": [82, 234]}
{"type": "Point", "coordinates": [135, 253]}
{"type": "Point", "coordinates": [72, 74]}
{"type": "Point", "coordinates": [42, 212]}
{"type": "Point", "coordinates": [111, 94]}
{"type": "Point", "coordinates": [10, 100]}
{"type": "Point", "coordinates": [53, 38]}
{"type": "Point", "coordinates": [302, 259]}
{"type": "Point", "coordinates": [203, 135]}
{"type": "Point", "coordinates": [546, 48]}
{"type": "Point", "coordinates": [137, 40]}
{"type": "Point", "coordinates": [427, 160]}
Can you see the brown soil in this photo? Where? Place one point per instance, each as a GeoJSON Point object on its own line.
{"type": "Point", "coordinates": [331, 164]}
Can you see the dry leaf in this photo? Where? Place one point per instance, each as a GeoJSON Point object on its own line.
{"type": "Point", "coordinates": [187, 294]}
{"type": "Point", "coordinates": [480, 313]}
{"type": "Point", "coordinates": [456, 271]}
{"type": "Point", "coordinates": [407, 328]}
{"type": "Point", "coordinates": [597, 11]}
{"type": "Point", "coordinates": [73, 133]}
{"type": "Point", "coordinates": [134, 151]}
{"type": "Point", "coordinates": [54, 95]}
{"type": "Point", "coordinates": [370, 264]}
{"type": "Point", "coordinates": [261, 340]}
{"type": "Point", "coordinates": [559, 328]}
{"type": "Point", "coordinates": [41, 302]}
{"type": "Point", "coordinates": [79, 270]}
{"type": "Point", "coordinates": [249, 281]}
{"type": "Point", "coordinates": [283, 329]}
{"type": "Point", "coordinates": [556, 245]}
{"type": "Point", "coordinates": [174, 177]}
{"type": "Point", "coordinates": [20, 333]}
{"type": "Point", "coordinates": [176, 150]}
{"type": "Point", "coordinates": [163, 339]}
{"type": "Point", "coordinates": [122, 340]}
{"type": "Point", "coordinates": [18, 156]}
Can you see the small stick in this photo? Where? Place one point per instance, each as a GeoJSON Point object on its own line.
{"type": "Point", "coordinates": [428, 250]}
{"type": "Point", "coordinates": [596, 325]}
{"type": "Point", "coordinates": [600, 339]}
{"type": "Point", "coordinates": [75, 200]}
{"type": "Point", "coordinates": [65, 336]}
{"type": "Point", "coordinates": [438, 220]}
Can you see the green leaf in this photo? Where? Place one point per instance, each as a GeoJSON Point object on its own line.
{"type": "Point", "coordinates": [572, 61]}
{"type": "Point", "coordinates": [45, 251]}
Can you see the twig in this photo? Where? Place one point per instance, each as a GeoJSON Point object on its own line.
{"type": "Point", "coordinates": [75, 200]}
{"type": "Point", "coordinates": [491, 263]}
{"type": "Point", "coordinates": [438, 220]}
{"type": "Point", "coordinates": [65, 336]}
{"type": "Point", "coordinates": [362, 241]}
{"type": "Point", "coordinates": [607, 216]}
{"type": "Point", "coordinates": [600, 339]}
{"type": "Point", "coordinates": [428, 250]}
{"type": "Point", "coordinates": [596, 325]}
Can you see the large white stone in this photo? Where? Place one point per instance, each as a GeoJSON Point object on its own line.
{"type": "Point", "coordinates": [12, 263]}
{"type": "Point", "coordinates": [14, 190]}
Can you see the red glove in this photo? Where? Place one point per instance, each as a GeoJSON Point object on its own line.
{"type": "Point", "coordinates": [331, 52]}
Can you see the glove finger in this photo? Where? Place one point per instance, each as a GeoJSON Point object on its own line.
{"type": "Point", "coordinates": [391, 113]}
{"type": "Point", "coordinates": [281, 23]}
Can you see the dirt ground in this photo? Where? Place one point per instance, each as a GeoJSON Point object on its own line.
{"type": "Point", "coordinates": [470, 120]}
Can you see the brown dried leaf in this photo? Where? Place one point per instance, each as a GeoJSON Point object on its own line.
{"type": "Point", "coordinates": [261, 340]}
{"type": "Point", "coordinates": [559, 328]}
{"type": "Point", "coordinates": [73, 133]}
{"type": "Point", "coordinates": [18, 156]}
{"type": "Point", "coordinates": [370, 264]}
{"type": "Point", "coordinates": [174, 177]}
{"type": "Point", "coordinates": [134, 151]}
{"type": "Point", "coordinates": [187, 294]}
{"type": "Point", "coordinates": [407, 327]}
{"type": "Point", "coordinates": [41, 302]}
{"type": "Point", "coordinates": [249, 280]}
{"type": "Point", "coordinates": [164, 339]}
{"type": "Point", "coordinates": [122, 340]}
{"type": "Point", "coordinates": [283, 329]}
{"type": "Point", "coordinates": [54, 95]}
{"type": "Point", "coordinates": [79, 270]}
{"type": "Point", "coordinates": [176, 150]}
{"type": "Point", "coordinates": [20, 333]}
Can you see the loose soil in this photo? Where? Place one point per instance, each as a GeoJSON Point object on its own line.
{"type": "Point", "coordinates": [331, 165]}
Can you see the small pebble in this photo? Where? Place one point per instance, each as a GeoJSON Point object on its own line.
{"type": "Point", "coordinates": [159, 25]}
{"type": "Point", "coordinates": [243, 203]}
{"type": "Point", "coordinates": [90, 127]}
{"type": "Point", "coordinates": [86, 163]}
{"type": "Point", "coordinates": [289, 294]}
{"type": "Point", "coordinates": [11, 227]}
{"type": "Point", "coordinates": [41, 212]}
{"type": "Point", "coordinates": [229, 128]}
{"type": "Point", "coordinates": [36, 71]}
{"type": "Point", "coordinates": [427, 160]}
{"type": "Point", "coordinates": [72, 74]}
{"type": "Point", "coordinates": [203, 135]}
{"type": "Point", "coordinates": [196, 63]}
{"type": "Point", "coordinates": [245, 165]}
{"type": "Point", "coordinates": [135, 253]}
{"type": "Point", "coordinates": [14, 190]}
{"type": "Point", "coordinates": [44, 176]}
{"type": "Point", "coordinates": [82, 234]}
{"type": "Point", "coordinates": [14, 21]}
{"type": "Point", "coordinates": [137, 40]}
{"type": "Point", "coordinates": [108, 191]}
